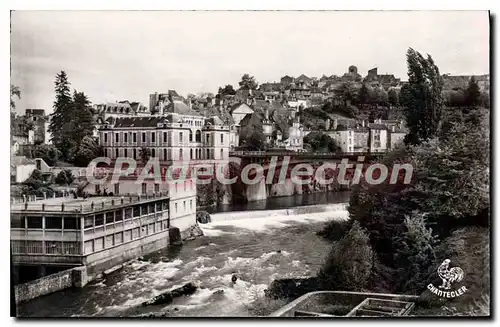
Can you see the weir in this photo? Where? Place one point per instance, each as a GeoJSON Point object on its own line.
{"type": "Point", "coordinates": [237, 215]}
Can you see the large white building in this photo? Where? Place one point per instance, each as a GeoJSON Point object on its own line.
{"type": "Point", "coordinates": [360, 136]}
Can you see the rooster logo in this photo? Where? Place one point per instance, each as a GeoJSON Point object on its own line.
{"type": "Point", "coordinates": [449, 276]}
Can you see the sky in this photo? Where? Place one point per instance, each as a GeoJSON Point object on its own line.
{"type": "Point", "coordinates": [126, 55]}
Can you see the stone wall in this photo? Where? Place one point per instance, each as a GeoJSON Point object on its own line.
{"type": "Point", "coordinates": [76, 277]}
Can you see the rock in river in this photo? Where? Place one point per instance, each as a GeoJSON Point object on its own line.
{"type": "Point", "coordinates": [169, 296]}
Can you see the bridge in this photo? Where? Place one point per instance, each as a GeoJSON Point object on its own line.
{"type": "Point", "coordinates": [352, 156]}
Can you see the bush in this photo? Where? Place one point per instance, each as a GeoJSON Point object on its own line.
{"type": "Point", "coordinates": [65, 177]}
{"type": "Point", "coordinates": [349, 264]}
{"type": "Point", "coordinates": [336, 229]}
{"type": "Point", "coordinates": [415, 253]}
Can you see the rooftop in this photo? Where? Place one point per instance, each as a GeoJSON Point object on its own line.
{"type": "Point", "coordinates": [82, 205]}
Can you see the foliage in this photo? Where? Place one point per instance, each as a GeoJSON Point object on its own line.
{"type": "Point", "coordinates": [71, 122]}
{"type": "Point", "coordinates": [422, 97]}
{"type": "Point", "coordinates": [248, 82]}
{"type": "Point", "coordinates": [334, 230]}
{"type": "Point", "coordinates": [253, 139]}
{"type": "Point", "coordinates": [35, 181]}
{"type": "Point", "coordinates": [60, 121]}
{"type": "Point", "coordinates": [472, 93]}
{"type": "Point", "coordinates": [65, 177]}
{"type": "Point", "coordinates": [14, 91]}
{"type": "Point", "coordinates": [49, 153]}
{"type": "Point", "coordinates": [86, 151]}
{"type": "Point", "coordinates": [393, 97]}
{"type": "Point", "coordinates": [321, 142]}
{"type": "Point", "coordinates": [346, 93]}
{"type": "Point", "coordinates": [415, 253]}
{"type": "Point", "coordinates": [227, 90]}
{"type": "Point", "coordinates": [349, 264]}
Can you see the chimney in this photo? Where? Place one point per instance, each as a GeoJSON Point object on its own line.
{"type": "Point", "coordinates": [266, 113]}
{"type": "Point", "coordinates": [327, 124]}
{"type": "Point", "coordinates": [335, 123]}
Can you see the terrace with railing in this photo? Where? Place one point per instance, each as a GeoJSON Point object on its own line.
{"type": "Point", "coordinates": [85, 205]}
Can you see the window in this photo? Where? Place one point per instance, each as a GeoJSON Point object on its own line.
{"type": "Point", "coordinates": [208, 138]}
{"type": "Point", "coordinates": [125, 154]}
{"type": "Point", "coordinates": [184, 205]}
{"type": "Point", "coordinates": [190, 136]}
{"type": "Point", "coordinates": [117, 189]}
{"type": "Point", "coordinates": [137, 211]}
{"type": "Point", "coordinates": [119, 238]}
{"type": "Point", "coordinates": [191, 204]}
{"type": "Point", "coordinates": [208, 154]}
{"type": "Point", "coordinates": [144, 188]}
{"type": "Point", "coordinates": [88, 222]}
{"type": "Point", "coordinates": [17, 221]}
{"type": "Point", "coordinates": [143, 137]}
{"type": "Point", "coordinates": [157, 188]}
{"type": "Point", "coordinates": [125, 137]}
{"type": "Point", "coordinates": [117, 137]}
{"type": "Point", "coordinates": [53, 222]}
{"type": "Point", "coordinates": [164, 154]}
{"type": "Point", "coordinates": [164, 137]}
{"type": "Point", "coordinates": [71, 248]}
{"type": "Point", "coordinates": [105, 137]}
{"type": "Point", "coordinates": [180, 137]}
{"type": "Point", "coordinates": [222, 153]}
{"type": "Point", "coordinates": [153, 137]}
{"type": "Point", "coordinates": [119, 214]}
{"type": "Point", "coordinates": [110, 217]}
{"type": "Point", "coordinates": [221, 138]}
{"type": "Point", "coordinates": [153, 153]}
{"type": "Point", "coordinates": [180, 154]}
{"type": "Point", "coordinates": [175, 208]}
{"type": "Point", "coordinates": [190, 153]}
{"type": "Point", "coordinates": [198, 136]}
{"type": "Point", "coordinates": [34, 222]}
{"type": "Point", "coordinates": [99, 219]}
{"type": "Point", "coordinates": [134, 152]}
{"type": "Point", "coordinates": [134, 137]}
{"type": "Point", "coordinates": [151, 208]}
{"type": "Point", "coordinates": [116, 153]}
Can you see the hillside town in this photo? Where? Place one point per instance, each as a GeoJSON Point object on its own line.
{"type": "Point", "coordinates": [270, 116]}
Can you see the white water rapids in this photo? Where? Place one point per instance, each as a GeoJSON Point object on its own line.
{"type": "Point", "coordinates": [256, 246]}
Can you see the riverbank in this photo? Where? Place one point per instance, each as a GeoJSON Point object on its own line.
{"type": "Point", "coordinates": [272, 247]}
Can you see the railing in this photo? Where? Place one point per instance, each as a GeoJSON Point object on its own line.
{"type": "Point", "coordinates": [87, 205]}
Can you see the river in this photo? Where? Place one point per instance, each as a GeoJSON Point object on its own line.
{"type": "Point", "coordinates": [255, 245]}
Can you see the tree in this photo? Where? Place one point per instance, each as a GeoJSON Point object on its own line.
{"type": "Point", "coordinates": [254, 140]}
{"type": "Point", "coordinates": [422, 97]}
{"type": "Point", "coordinates": [49, 153]}
{"type": "Point", "coordinates": [472, 93]}
{"type": "Point", "coordinates": [363, 95]}
{"type": "Point", "coordinates": [345, 93]}
{"type": "Point", "coordinates": [248, 82]}
{"type": "Point", "coordinates": [61, 119]}
{"type": "Point", "coordinates": [83, 121]}
{"type": "Point", "coordinates": [65, 177]}
{"type": "Point", "coordinates": [321, 142]}
{"type": "Point", "coordinates": [227, 90]}
{"type": "Point", "coordinates": [14, 91]}
{"type": "Point", "coordinates": [349, 264]}
{"type": "Point", "coordinates": [87, 150]}
{"type": "Point", "coordinates": [393, 97]}
{"type": "Point", "coordinates": [144, 154]}
{"type": "Point", "coordinates": [415, 253]}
